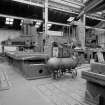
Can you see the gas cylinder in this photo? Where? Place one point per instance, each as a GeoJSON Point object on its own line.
{"type": "Point", "coordinates": [68, 63]}
{"type": "Point", "coordinates": [62, 63]}
{"type": "Point", "coordinates": [54, 63]}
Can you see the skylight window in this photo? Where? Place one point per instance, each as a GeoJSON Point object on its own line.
{"type": "Point", "coordinates": [9, 21]}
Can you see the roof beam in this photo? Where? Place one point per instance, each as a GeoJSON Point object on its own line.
{"type": "Point", "coordinates": [60, 24]}
{"type": "Point", "coordinates": [72, 2]}
{"type": "Point", "coordinates": [93, 17]}
{"type": "Point", "coordinates": [30, 3]}
{"type": "Point", "coordinates": [98, 29]}
{"type": "Point", "coordinates": [51, 3]}
{"type": "Point", "coordinates": [55, 23]}
{"type": "Point", "coordinates": [89, 7]}
{"type": "Point", "coordinates": [63, 10]}
{"type": "Point", "coordinates": [21, 18]}
{"type": "Point", "coordinates": [68, 3]}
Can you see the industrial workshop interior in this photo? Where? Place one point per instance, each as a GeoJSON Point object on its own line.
{"type": "Point", "coordinates": [52, 52]}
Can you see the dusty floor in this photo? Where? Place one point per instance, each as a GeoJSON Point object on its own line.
{"type": "Point", "coordinates": [65, 91]}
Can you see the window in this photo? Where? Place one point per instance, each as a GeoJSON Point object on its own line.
{"type": "Point", "coordinates": [9, 21]}
{"type": "Point", "coordinates": [21, 22]}
{"type": "Point", "coordinates": [38, 24]}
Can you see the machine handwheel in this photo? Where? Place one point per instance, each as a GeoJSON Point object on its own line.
{"type": "Point", "coordinates": [74, 74]}
{"type": "Point", "coordinates": [55, 74]}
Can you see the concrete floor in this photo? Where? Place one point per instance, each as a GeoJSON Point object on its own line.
{"type": "Point", "coordinates": [65, 91]}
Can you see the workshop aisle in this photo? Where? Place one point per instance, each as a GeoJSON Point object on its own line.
{"type": "Point", "coordinates": [65, 91]}
{"type": "Point", "coordinates": [20, 91]}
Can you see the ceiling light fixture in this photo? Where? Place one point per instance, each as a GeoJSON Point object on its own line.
{"type": "Point", "coordinates": [38, 24]}
{"type": "Point", "coordinates": [49, 25]}
{"type": "Point", "coordinates": [70, 19]}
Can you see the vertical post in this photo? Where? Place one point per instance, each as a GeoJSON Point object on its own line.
{"type": "Point", "coordinates": [46, 17]}
{"type": "Point", "coordinates": [81, 31]}
{"type": "Point", "coordinates": [69, 34]}
{"type": "Point", "coordinates": [84, 28]}
{"type": "Point", "coordinates": [45, 21]}
{"type": "Point", "coordinates": [84, 20]}
{"type": "Point", "coordinates": [74, 32]}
